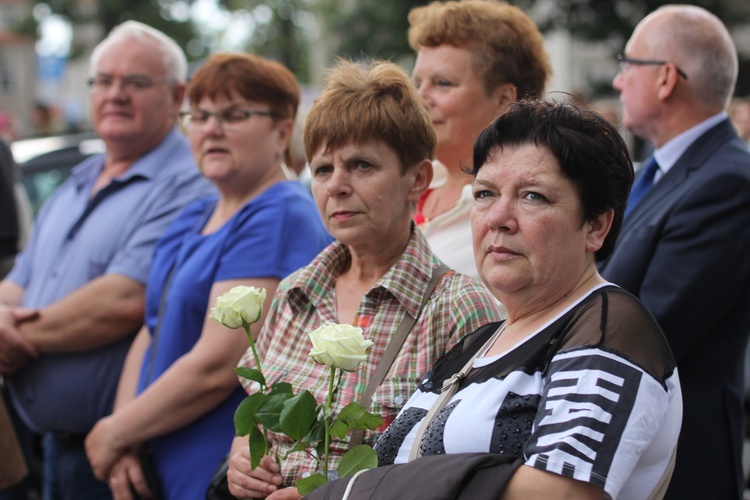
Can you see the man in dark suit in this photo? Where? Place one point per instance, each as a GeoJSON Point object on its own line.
{"type": "Point", "coordinates": [684, 249]}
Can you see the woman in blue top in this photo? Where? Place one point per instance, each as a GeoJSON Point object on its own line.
{"type": "Point", "coordinates": [178, 390]}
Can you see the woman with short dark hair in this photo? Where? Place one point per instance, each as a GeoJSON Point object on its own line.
{"type": "Point", "coordinates": [577, 389]}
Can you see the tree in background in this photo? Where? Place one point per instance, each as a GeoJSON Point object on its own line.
{"type": "Point", "coordinates": [290, 30]}
{"type": "Point", "coordinates": [281, 30]}
{"type": "Point", "coordinates": [103, 15]}
{"type": "Point", "coordinates": [369, 28]}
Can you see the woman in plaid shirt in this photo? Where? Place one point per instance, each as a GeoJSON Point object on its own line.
{"type": "Point", "coordinates": [369, 142]}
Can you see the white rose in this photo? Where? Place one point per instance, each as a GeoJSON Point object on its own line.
{"type": "Point", "coordinates": [239, 303]}
{"type": "Point", "coordinates": [339, 346]}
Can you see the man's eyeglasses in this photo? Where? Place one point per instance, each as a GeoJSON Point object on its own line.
{"type": "Point", "coordinates": [229, 118]}
{"type": "Point", "coordinates": [134, 83]}
{"type": "Point", "coordinates": [624, 61]}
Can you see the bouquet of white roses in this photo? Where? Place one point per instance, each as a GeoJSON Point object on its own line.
{"type": "Point", "coordinates": [300, 417]}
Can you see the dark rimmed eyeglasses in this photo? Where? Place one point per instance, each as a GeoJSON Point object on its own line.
{"type": "Point", "coordinates": [624, 61]}
{"type": "Point", "coordinates": [229, 119]}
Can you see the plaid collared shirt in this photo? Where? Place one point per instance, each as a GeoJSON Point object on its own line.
{"type": "Point", "coordinates": [306, 299]}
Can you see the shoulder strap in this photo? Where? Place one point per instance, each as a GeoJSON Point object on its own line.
{"type": "Point", "coordinates": [157, 329]}
{"type": "Point", "coordinates": [394, 346]}
{"type": "Point", "coordinates": [163, 300]}
{"type": "Point", "coordinates": [450, 387]}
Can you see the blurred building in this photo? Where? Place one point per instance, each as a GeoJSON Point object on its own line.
{"type": "Point", "coordinates": [17, 64]}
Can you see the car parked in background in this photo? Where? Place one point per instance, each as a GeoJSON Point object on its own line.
{"type": "Point", "coordinates": [45, 162]}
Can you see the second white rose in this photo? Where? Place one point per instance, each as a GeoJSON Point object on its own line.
{"type": "Point", "coordinates": [238, 304]}
{"type": "Point", "coordinates": [339, 346]}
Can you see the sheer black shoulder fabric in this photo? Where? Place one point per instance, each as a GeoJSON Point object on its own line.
{"type": "Point", "coordinates": [609, 318]}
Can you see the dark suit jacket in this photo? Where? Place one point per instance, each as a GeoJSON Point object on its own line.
{"type": "Point", "coordinates": [685, 252]}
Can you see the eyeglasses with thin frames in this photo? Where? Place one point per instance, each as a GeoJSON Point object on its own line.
{"type": "Point", "coordinates": [229, 119]}
{"type": "Point", "coordinates": [131, 83]}
{"type": "Point", "coordinates": [625, 61]}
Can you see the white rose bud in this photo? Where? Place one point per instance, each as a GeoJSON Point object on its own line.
{"type": "Point", "coordinates": [241, 302]}
{"type": "Point", "coordinates": [339, 346]}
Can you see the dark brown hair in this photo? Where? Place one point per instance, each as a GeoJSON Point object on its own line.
{"type": "Point", "coordinates": [590, 151]}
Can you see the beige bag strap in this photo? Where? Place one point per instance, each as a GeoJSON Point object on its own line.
{"type": "Point", "coordinates": [450, 387]}
{"type": "Point", "coordinates": [394, 346]}
{"type": "Point", "coordinates": [661, 487]}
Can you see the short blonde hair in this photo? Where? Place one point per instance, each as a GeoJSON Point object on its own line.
{"type": "Point", "coordinates": [507, 45]}
{"type": "Point", "coordinates": [374, 102]}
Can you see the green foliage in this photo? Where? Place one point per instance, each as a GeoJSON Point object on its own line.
{"type": "Point", "coordinates": [109, 13]}
{"type": "Point", "coordinates": [298, 415]}
{"type": "Point", "coordinates": [359, 458]}
{"type": "Point", "coordinates": [27, 26]}
{"type": "Point", "coordinates": [258, 446]}
{"type": "Point", "coordinates": [606, 20]}
{"type": "Point", "coordinates": [244, 416]}
{"type": "Point", "coordinates": [269, 414]}
{"type": "Point", "coordinates": [307, 485]}
{"type": "Point", "coordinates": [355, 417]}
{"type": "Point", "coordinates": [251, 374]}
{"type": "Point", "coordinates": [339, 429]}
{"type": "Point", "coordinates": [370, 28]}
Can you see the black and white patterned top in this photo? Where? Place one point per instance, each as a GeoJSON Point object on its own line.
{"type": "Point", "coordinates": [593, 395]}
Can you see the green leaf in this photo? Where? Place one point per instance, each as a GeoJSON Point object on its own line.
{"type": "Point", "coordinates": [258, 446]}
{"type": "Point", "coordinates": [366, 421]}
{"type": "Point", "coordinates": [352, 411]}
{"type": "Point", "coordinates": [339, 429]}
{"type": "Point", "coordinates": [316, 434]}
{"type": "Point", "coordinates": [244, 416]}
{"type": "Point", "coordinates": [270, 411]}
{"type": "Point", "coordinates": [359, 458]}
{"type": "Point", "coordinates": [281, 388]}
{"type": "Point", "coordinates": [308, 484]}
{"type": "Point", "coordinates": [251, 374]}
{"type": "Point", "coordinates": [298, 446]}
{"type": "Point", "coordinates": [298, 415]}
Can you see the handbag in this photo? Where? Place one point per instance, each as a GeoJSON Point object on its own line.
{"type": "Point", "coordinates": [146, 459]}
{"type": "Point", "coordinates": [218, 488]}
{"type": "Point", "coordinates": [460, 476]}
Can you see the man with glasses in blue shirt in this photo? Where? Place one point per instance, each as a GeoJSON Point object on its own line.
{"type": "Point", "coordinates": [86, 264]}
{"type": "Point", "coordinates": [684, 245]}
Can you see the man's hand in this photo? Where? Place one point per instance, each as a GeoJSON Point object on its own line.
{"type": "Point", "coordinates": [285, 494]}
{"type": "Point", "coordinates": [103, 449]}
{"type": "Point", "coordinates": [244, 482]}
{"type": "Point", "coordinates": [15, 349]}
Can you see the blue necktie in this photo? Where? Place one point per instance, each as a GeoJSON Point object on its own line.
{"type": "Point", "coordinates": [642, 184]}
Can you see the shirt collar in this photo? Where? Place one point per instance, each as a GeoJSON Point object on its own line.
{"type": "Point", "coordinates": [667, 155]}
{"type": "Point", "coordinates": [406, 280]}
{"type": "Point", "coordinates": [146, 167]}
